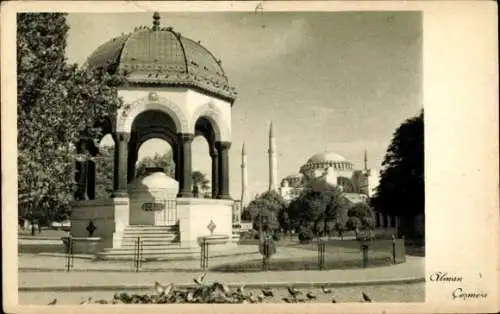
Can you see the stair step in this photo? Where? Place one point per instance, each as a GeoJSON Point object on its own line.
{"type": "Point", "coordinates": [149, 242]}
{"type": "Point", "coordinates": [161, 257]}
{"type": "Point", "coordinates": [164, 251]}
{"type": "Point", "coordinates": [152, 244]}
{"type": "Point", "coordinates": [135, 235]}
{"type": "Point", "coordinates": [150, 231]}
{"type": "Point", "coordinates": [152, 227]}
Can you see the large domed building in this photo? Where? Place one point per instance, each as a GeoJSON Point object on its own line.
{"type": "Point", "coordinates": [357, 185]}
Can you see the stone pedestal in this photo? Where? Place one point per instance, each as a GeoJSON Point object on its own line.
{"type": "Point", "coordinates": [101, 213]}
{"type": "Point", "coordinates": [195, 215]}
{"type": "Point", "coordinates": [121, 218]}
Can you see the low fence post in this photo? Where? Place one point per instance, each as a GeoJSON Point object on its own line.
{"type": "Point", "coordinates": [364, 247]}
{"type": "Point", "coordinates": [69, 255]}
{"type": "Point", "coordinates": [265, 256]}
{"type": "Point", "coordinates": [321, 253]}
{"type": "Point", "coordinates": [204, 254]}
{"type": "Point", "coordinates": [393, 249]}
{"type": "Point", "coordinates": [138, 254]}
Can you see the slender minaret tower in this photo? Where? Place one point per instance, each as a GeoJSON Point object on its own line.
{"type": "Point", "coordinates": [244, 181]}
{"type": "Point", "coordinates": [365, 160]}
{"type": "Point", "coordinates": [273, 170]}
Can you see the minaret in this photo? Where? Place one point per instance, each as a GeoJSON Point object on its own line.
{"type": "Point", "coordinates": [244, 181]}
{"type": "Point", "coordinates": [273, 170]}
{"type": "Point", "coordinates": [366, 160]}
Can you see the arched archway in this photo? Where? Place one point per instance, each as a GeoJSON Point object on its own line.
{"type": "Point", "coordinates": [208, 127]}
{"type": "Point", "coordinates": [157, 153]}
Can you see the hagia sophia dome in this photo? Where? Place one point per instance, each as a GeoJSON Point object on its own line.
{"type": "Point", "coordinates": [161, 56]}
{"type": "Point", "coordinates": [325, 160]}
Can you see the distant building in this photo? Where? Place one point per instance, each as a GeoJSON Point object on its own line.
{"type": "Point", "coordinates": [356, 185]}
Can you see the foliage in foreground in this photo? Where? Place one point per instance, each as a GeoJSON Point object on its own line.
{"type": "Point", "coordinates": [209, 293]}
{"type": "Point", "coordinates": [58, 104]}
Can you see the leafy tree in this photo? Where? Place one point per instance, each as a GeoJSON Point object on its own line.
{"type": "Point", "coordinates": [320, 205]}
{"type": "Point", "coordinates": [401, 188]}
{"type": "Point", "coordinates": [58, 104]}
{"type": "Point", "coordinates": [201, 184]}
{"type": "Point", "coordinates": [164, 161]}
{"type": "Point", "coordinates": [104, 172]}
{"type": "Point", "coordinates": [264, 211]}
{"type": "Point", "coordinates": [360, 216]}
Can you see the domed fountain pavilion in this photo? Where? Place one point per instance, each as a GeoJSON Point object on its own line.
{"type": "Point", "coordinates": [175, 89]}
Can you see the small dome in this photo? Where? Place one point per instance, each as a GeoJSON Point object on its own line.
{"type": "Point", "coordinates": [153, 181]}
{"type": "Point", "coordinates": [161, 56]}
{"type": "Point", "coordinates": [326, 157]}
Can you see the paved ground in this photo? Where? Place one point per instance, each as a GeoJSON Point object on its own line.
{"type": "Point", "coordinates": [42, 278]}
{"type": "Point", "coordinates": [413, 268]}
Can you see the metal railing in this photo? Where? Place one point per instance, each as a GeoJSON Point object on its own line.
{"type": "Point", "coordinates": [170, 212]}
{"type": "Point", "coordinates": [204, 254]}
{"type": "Point", "coordinates": [321, 253]}
{"type": "Point", "coordinates": [69, 254]}
{"type": "Point", "coordinates": [138, 254]}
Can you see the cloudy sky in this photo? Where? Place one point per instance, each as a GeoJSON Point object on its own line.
{"type": "Point", "coordinates": [336, 81]}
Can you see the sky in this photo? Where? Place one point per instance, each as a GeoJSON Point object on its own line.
{"type": "Point", "coordinates": [328, 81]}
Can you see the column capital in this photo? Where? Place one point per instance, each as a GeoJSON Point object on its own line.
{"type": "Point", "coordinates": [222, 145]}
{"type": "Point", "coordinates": [121, 136]}
{"type": "Point", "coordinates": [213, 152]}
{"type": "Point", "coordinates": [186, 137]}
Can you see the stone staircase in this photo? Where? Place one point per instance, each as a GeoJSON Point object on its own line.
{"type": "Point", "coordinates": [158, 243]}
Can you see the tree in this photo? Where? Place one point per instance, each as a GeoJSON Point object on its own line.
{"type": "Point", "coordinates": [58, 105]}
{"type": "Point", "coordinates": [263, 211]}
{"type": "Point", "coordinates": [360, 216]}
{"type": "Point", "coordinates": [104, 172]}
{"type": "Point", "coordinates": [164, 161]}
{"type": "Point", "coordinates": [401, 188]}
{"type": "Point", "coordinates": [201, 184]}
{"type": "Point", "coordinates": [320, 206]}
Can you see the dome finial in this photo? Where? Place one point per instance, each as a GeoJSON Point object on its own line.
{"type": "Point", "coordinates": [156, 21]}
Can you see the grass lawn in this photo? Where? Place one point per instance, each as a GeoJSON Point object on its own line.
{"type": "Point", "coordinates": [302, 263]}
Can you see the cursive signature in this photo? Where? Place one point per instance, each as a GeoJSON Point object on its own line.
{"type": "Point", "coordinates": [443, 276]}
{"type": "Point", "coordinates": [459, 293]}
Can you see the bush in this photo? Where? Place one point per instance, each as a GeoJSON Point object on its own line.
{"type": "Point", "coordinates": [306, 235]}
{"type": "Point", "coordinates": [276, 237]}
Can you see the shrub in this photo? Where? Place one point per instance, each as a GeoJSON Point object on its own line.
{"type": "Point", "coordinates": [276, 237]}
{"type": "Point", "coordinates": [306, 235]}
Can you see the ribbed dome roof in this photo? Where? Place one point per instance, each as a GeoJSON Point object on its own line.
{"type": "Point", "coordinates": [161, 56]}
{"type": "Point", "coordinates": [326, 157]}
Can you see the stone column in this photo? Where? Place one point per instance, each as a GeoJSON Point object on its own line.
{"type": "Point", "coordinates": [177, 170]}
{"type": "Point", "coordinates": [121, 156]}
{"type": "Point", "coordinates": [132, 159]}
{"type": "Point", "coordinates": [81, 181]}
{"type": "Point", "coordinates": [215, 172]}
{"type": "Point", "coordinates": [91, 179]}
{"type": "Point", "coordinates": [223, 169]}
{"type": "Point", "coordinates": [184, 159]}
